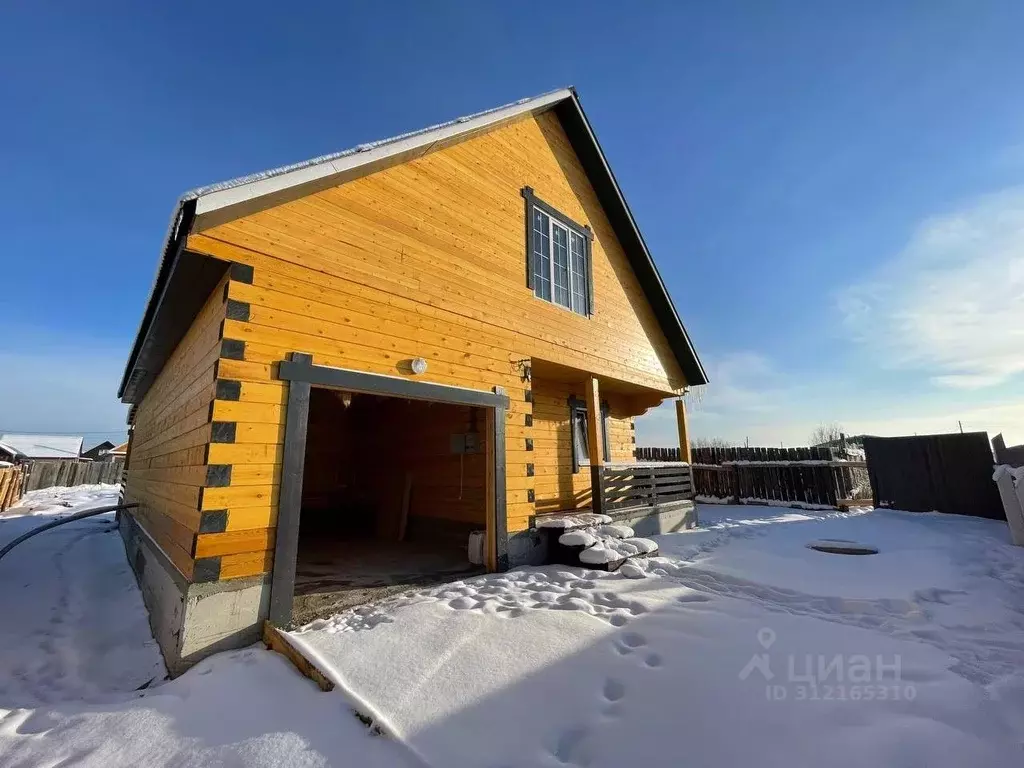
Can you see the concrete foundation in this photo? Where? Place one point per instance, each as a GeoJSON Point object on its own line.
{"type": "Point", "coordinates": [528, 547]}
{"type": "Point", "coordinates": [193, 621]}
{"type": "Point", "coordinates": [665, 518]}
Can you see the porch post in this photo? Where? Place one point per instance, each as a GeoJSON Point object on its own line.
{"type": "Point", "coordinates": [684, 436]}
{"type": "Point", "coordinates": [595, 438]}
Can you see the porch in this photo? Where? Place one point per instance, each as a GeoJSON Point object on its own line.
{"type": "Point", "coordinates": [584, 435]}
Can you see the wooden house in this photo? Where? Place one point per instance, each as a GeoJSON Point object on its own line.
{"type": "Point", "coordinates": [117, 452]}
{"type": "Point", "coordinates": [351, 368]}
{"type": "Point", "coordinates": [98, 452]}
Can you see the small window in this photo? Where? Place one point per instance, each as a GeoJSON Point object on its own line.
{"type": "Point", "coordinates": [580, 438]}
{"type": "Point", "coordinates": [558, 257]}
{"type": "Point", "coordinates": [580, 435]}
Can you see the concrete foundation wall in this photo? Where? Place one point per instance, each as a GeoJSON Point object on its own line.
{"type": "Point", "coordinates": [666, 518]}
{"type": "Point", "coordinates": [527, 548]}
{"type": "Point", "coordinates": [192, 621]}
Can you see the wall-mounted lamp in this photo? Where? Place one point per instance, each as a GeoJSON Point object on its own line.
{"type": "Point", "coordinates": [419, 366]}
{"type": "Point", "coordinates": [525, 370]}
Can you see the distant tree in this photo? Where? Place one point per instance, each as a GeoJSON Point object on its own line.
{"type": "Point", "coordinates": [828, 433]}
{"type": "Point", "coordinates": [710, 442]}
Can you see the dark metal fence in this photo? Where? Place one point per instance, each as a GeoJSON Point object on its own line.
{"type": "Point", "coordinates": [637, 485]}
{"type": "Point", "coordinates": [934, 473]}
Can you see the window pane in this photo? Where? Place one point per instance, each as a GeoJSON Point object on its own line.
{"type": "Point", "coordinates": [578, 265]}
{"type": "Point", "coordinates": [541, 255]}
{"type": "Point", "coordinates": [579, 437]}
{"type": "Point", "coordinates": [561, 258]}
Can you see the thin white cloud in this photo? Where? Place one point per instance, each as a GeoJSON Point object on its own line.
{"type": "Point", "coordinates": [746, 389]}
{"type": "Point", "coordinates": [951, 304]}
{"type": "Point", "coordinates": [742, 382]}
{"type": "Point", "coordinates": [994, 418]}
{"type": "Point", "coordinates": [65, 385]}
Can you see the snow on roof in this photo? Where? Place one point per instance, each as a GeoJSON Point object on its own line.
{"type": "Point", "coordinates": [119, 450]}
{"type": "Point", "coordinates": [43, 446]}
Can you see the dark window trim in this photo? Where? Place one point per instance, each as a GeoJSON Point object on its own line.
{"type": "Point", "coordinates": [583, 230]}
{"type": "Point", "coordinates": [575, 404]}
{"type": "Point", "coordinates": [301, 375]}
{"type": "Point", "coordinates": [550, 210]}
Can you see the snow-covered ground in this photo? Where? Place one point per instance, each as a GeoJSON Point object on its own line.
{"type": "Point", "coordinates": [737, 646]}
{"type": "Point", "coordinates": [81, 676]}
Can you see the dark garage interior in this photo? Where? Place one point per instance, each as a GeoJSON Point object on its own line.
{"type": "Point", "coordinates": [392, 490]}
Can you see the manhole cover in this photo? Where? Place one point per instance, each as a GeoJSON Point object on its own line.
{"type": "Point", "coordinates": [842, 547]}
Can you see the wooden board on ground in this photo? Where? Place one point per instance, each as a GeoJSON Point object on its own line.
{"type": "Point", "coordinates": [275, 641]}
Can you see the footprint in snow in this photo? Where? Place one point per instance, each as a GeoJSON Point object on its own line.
{"type": "Point", "coordinates": [613, 689]}
{"type": "Point", "coordinates": [653, 660]}
{"type": "Point", "coordinates": [569, 748]}
{"type": "Point", "coordinates": [629, 642]}
{"type": "Point", "coordinates": [612, 710]}
{"type": "Point", "coordinates": [693, 597]}
{"type": "Point", "coordinates": [633, 639]}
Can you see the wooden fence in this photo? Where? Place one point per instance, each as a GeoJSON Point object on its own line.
{"type": "Point", "coordinates": [657, 454]}
{"type": "Point", "coordinates": [12, 480]}
{"type": "Point", "coordinates": [635, 485]}
{"type": "Point", "coordinates": [46, 474]}
{"type": "Point", "coordinates": [810, 477]}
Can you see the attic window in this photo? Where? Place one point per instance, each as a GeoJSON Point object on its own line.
{"type": "Point", "coordinates": [558, 264]}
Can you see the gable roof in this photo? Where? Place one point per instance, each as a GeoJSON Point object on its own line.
{"type": "Point", "coordinates": [98, 450]}
{"type": "Point", "coordinates": [119, 450]}
{"type": "Point", "coordinates": [168, 312]}
{"type": "Point", "coordinates": [43, 446]}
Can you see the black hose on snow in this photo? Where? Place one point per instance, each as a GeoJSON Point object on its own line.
{"type": "Point", "coordinates": [72, 518]}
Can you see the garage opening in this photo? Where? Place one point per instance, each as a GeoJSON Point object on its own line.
{"type": "Point", "coordinates": [394, 495]}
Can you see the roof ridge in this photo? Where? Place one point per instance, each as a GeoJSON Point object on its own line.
{"type": "Point", "coordinates": [362, 147]}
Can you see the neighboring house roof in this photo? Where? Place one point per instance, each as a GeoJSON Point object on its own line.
{"type": "Point", "coordinates": [119, 450]}
{"type": "Point", "coordinates": [43, 446]}
{"type": "Point", "coordinates": [218, 203]}
{"type": "Point", "coordinates": [98, 450]}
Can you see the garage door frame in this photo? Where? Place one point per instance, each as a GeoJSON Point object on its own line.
{"type": "Point", "coordinates": [301, 375]}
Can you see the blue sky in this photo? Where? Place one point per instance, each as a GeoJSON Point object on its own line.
{"type": "Point", "coordinates": [834, 192]}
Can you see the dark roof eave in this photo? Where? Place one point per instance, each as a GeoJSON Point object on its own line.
{"type": "Point", "coordinates": [577, 127]}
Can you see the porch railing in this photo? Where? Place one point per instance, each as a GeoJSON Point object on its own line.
{"type": "Point", "coordinates": [646, 484]}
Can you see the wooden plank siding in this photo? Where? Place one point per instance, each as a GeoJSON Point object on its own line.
{"type": "Point", "coordinates": [170, 438]}
{"type": "Point", "coordinates": [189, 512]}
{"type": "Point", "coordinates": [556, 486]}
{"type": "Point", "coordinates": [425, 259]}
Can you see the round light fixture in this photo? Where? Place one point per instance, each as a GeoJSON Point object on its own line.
{"type": "Point", "coordinates": [419, 366]}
